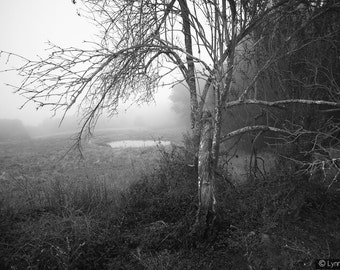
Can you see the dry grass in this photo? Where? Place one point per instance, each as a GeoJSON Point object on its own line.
{"type": "Point", "coordinates": [133, 209]}
{"type": "Point", "coordinates": [55, 208]}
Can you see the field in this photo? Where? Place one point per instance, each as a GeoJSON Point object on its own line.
{"type": "Point", "coordinates": [31, 169]}
{"type": "Point", "coordinates": [46, 188]}
{"type": "Point", "coordinates": [133, 208]}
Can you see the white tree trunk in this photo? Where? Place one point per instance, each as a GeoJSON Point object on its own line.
{"type": "Point", "coordinates": [206, 197]}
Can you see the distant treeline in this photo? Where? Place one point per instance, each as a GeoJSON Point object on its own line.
{"type": "Point", "coordinates": [12, 129]}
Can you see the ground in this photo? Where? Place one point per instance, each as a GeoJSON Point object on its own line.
{"type": "Point", "coordinates": [133, 209]}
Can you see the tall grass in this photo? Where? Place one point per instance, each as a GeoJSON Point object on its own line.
{"type": "Point", "coordinates": [59, 222]}
{"type": "Point", "coordinates": [63, 212]}
{"type": "Point", "coordinates": [133, 209]}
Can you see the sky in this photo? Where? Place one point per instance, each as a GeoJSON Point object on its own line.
{"type": "Point", "coordinates": [25, 27]}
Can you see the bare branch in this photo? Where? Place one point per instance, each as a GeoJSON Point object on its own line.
{"type": "Point", "coordinates": [253, 128]}
{"type": "Point", "coordinates": [279, 103]}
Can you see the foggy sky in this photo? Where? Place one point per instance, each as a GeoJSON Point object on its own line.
{"type": "Point", "coordinates": [25, 26]}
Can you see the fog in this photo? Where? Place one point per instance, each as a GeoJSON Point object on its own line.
{"type": "Point", "coordinates": [25, 27]}
{"type": "Point", "coordinates": [157, 115]}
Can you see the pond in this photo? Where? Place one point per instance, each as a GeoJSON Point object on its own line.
{"type": "Point", "coordinates": [137, 143]}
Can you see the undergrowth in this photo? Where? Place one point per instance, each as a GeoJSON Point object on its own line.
{"type": "Point", "coordinates": [80, 221]}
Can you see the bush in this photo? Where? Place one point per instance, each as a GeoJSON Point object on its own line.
{"type": "Point", "coordinates": [167, 196]}
{"type": "Point", "coordinates": [282, 220]}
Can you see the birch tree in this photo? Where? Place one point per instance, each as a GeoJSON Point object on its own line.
{"type": "Point", "coordinates": [146, 44]}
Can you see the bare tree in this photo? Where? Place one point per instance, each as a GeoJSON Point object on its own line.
{"type": "Point", "coordinates": [144, 43]}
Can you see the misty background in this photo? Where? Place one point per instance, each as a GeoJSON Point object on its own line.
{"type": "Point", "coordinates": [26, 27]}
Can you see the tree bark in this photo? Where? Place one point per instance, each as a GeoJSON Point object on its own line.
{"type": "Point", "coordinates": [217, 135]}
{"type": "Point", "coordinates": [206, 198]}
{"type": "Point", "coordinates": [190, 76]}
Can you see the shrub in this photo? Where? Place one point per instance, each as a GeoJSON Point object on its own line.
{"type": "Point", "coordinates": [273, 219]}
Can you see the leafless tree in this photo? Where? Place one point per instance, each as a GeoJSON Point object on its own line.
{"type": "Point", "coordinates": [144, 43]}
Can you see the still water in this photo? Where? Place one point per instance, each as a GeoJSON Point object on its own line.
{"type": "Point", "coordinates": [136, 143]}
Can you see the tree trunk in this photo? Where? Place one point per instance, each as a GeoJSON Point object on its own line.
{"type": "Point", "coordinates": [217, 136]}
{"type": "Point", "coordinates": [206, 198]}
